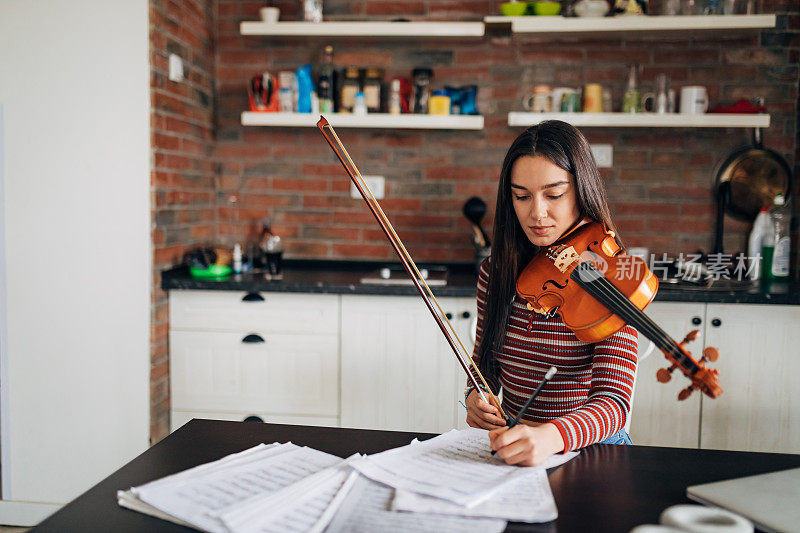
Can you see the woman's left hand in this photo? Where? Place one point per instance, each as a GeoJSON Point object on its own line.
{"type": "Point", "coordinates": [526, 445]}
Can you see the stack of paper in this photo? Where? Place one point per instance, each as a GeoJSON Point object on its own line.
{"type": "Point", "coordinates": [448, 483]}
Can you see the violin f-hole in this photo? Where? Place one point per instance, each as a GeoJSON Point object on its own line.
{"type": "Point", "coordinates": [554, 282]}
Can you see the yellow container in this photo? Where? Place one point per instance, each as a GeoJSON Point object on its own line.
{"type": "Point", "coordinates": [439, 105]}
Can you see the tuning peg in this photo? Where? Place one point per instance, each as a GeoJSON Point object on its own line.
{"type": "Point", "coordinates": [710, 354]}
{"type": "Point", "coordinates": [691, 336]}
{"type": "Point", "coordinates": [685, 393]}
{"type": "Point", "coordinates": [665, 374]}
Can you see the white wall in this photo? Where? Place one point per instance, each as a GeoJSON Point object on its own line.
{"type": "Point", "coordinates": [74, 388]}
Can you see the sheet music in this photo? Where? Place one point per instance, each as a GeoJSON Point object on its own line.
{"type": "Point", "coordinates": [456, 466]}
{"type": "Point", "coordinates": [194, 499]}
{"type": "Point", "coordinates": [305, 506]}
{"type": "Point", "coordinates": [527, 499]}
{"type": "Point", "coordinates": [366, 509]}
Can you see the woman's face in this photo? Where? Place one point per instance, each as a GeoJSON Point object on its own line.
{"type": "Point", "coordinates": [544, 199]}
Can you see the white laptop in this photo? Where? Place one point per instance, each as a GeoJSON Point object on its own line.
{"type": "Point", "coordinates": [771, 501]}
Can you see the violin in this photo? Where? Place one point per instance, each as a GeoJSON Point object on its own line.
{"type": "Point", "coordinates": [596, 288]}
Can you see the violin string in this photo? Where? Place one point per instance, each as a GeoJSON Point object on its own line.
{"type": "Point", "coordinates": [429, 296]}
{"type": "Point", "coordinates": [634, 314]}
{"type": "Point", "coordinates": [645, 324]}
{"type": "Point", "coordinates": [656, 333]}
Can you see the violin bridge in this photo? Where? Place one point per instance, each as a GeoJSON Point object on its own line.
{"type": "Point", "coordinates": [563, 257]}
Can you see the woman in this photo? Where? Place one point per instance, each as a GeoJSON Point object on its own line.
{"type": "Point", "coordinates": [548, 184]}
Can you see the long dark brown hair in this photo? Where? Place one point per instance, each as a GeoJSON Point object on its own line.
{"type": "Point", "coordinates": [566, 147]}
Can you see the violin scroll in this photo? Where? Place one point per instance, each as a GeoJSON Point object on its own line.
{"type": "Point", "coordinates": [705, 379]}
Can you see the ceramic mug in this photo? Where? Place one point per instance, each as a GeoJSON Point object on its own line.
{"type": "Point", "coordinates": [541, 101]}
{"type": "Point", "coordinates": [593, 98]}
{"type": "Point", "coordinates": [269, 14]}
{"type": "Point", "coordinates": [694, 100]}
{"type": "Point", "coordinates": [558, 96]}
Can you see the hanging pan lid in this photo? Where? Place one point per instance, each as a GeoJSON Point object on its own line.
{"type": "Point", "coordinates": [753, 177]}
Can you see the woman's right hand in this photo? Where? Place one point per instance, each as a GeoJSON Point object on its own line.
{"type": "Point", "coordinates": [481, 414]}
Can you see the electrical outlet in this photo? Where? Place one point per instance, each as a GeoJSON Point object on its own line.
{"type": "Point", "coordinates": [175, 68]}
{"type": "Point", "coordinates": [603, 154]}
{"type": "Point", "coordinates": [376, 184]}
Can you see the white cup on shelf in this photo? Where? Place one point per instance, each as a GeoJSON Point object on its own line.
{"type": "Point", "coordinates": [269, 14]}
{"type": "Point", "coordinates": [694, 100]}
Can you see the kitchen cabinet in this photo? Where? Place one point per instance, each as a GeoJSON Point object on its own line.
{"type": "Point", "coordinates": [657, 417]}
{"type": "Point", "coordinates": [398, 372]}
{"type": "Point", "coordinates": [380, 362]}
{"type": "Point", "coordinates": [759, 365]}
{"type": "Point", "coordinates": [759, 409]}
{"type": "Point", "coordinates": [274, 356]}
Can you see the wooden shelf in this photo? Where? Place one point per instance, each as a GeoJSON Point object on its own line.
{"type": "Point", "coordinates": [622, 25]}
{"type": "Point", "coordinates": [364, 29]}
{"type": "Point", "coordinates": [373, 120]}
{"type": "Point", "coordinates": [643, 120]}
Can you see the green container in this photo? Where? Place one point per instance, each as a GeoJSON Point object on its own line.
{"type": "Point", "coordinates": [212, 272]}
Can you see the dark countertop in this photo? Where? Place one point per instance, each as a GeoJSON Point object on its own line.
{"type": "Point", "coordinates": [606, 488]}
{"type": "Point", "coordinates": [343, 277]}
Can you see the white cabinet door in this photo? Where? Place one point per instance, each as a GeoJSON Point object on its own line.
{"type": "Point", "coordinates": [286, 374]}
{"type": "Point", "coordinates": [658, 418]}
{"type": "Point", "coordinates": [398, 373]}
{"type": "Point", "coordinates": [759, 409]}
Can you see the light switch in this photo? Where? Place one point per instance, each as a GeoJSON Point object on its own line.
{"type": "Point", "coordinates": [376, 184]}
{"type": "Point", "coordinates": [603, 154]}
{"type": "Point", "coordinates": [175, 68]}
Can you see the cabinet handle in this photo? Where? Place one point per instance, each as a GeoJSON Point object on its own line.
{"type": "Point", "coordinates": [697, 321]}
{"type": "Point", "coordinates": [253, 338]}
{"type": "Point", "coordinates": [449, 316]}
{"type": "Point", "coordinates": [716, 322]}
{"type": "Point", "coordinates": [465, 314]}
{"type": "Point", "coordinates": [253, 418]}
{"type": "Point", "coordinates": [253, 297]}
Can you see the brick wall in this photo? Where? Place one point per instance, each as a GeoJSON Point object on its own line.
{"type": "Point", "coordinates": [183, 175]}
{"type": "Point", "coordinates": [660, 186]}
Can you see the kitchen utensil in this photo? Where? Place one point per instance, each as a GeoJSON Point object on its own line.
{"type": "Point", "coordinates": [748, 179]}
{"type": "Point", "coordinates": [474, 209]}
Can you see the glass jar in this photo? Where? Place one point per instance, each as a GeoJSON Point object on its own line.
{"type": "Point", "coordinates": [422, 89]}
{"type": "Point", "coordinates": [373, 78]}
{"type": "Point", "coordinates": [350, 86]}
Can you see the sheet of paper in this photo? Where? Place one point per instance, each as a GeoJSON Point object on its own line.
{"type": "Point", "coordinates": [456, 466]}
{"type": "Point", "coordinates": [196, 498]}
{"type": "Point", "coordinates": [367, 508]}
{"type": "Point", "coordinates": [526, 499]}
{"type": "Point", "coordinates": [299, 507]}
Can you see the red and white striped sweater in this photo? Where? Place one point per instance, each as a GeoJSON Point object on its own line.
{"type": "Point", "coordinates": [589, 398]}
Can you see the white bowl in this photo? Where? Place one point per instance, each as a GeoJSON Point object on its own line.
{"type": "Point", "coordinates": [591, 8]}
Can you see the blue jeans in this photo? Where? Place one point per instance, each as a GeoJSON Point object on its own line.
{"type": "Point", "coordinates": [620, 437]}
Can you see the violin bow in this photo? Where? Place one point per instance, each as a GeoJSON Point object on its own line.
{"type": "Point", "coordinates": [405, 258]}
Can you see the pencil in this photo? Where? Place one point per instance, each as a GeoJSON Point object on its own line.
{"type": "Point", "coordinates": [514, 421]}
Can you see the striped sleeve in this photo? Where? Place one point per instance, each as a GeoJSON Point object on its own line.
{"type": "Point", "coordinates": [483, 283]}
{"type": "Point", "coordinates": [609, 399]}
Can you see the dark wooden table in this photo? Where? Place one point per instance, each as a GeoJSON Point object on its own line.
{"type": "Point", "coordinates": [606, 488]}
